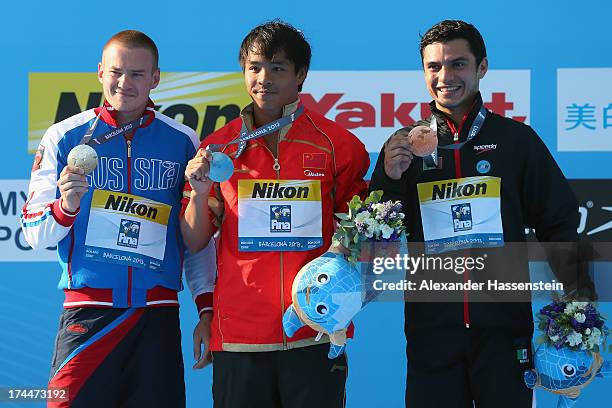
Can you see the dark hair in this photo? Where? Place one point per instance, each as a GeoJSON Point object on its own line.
{"type": "Point", "coordinates": [135, 39]}
{"type": "Point", "coordinates": [274, 36]}
{"type": "Point", "coordinates": [449, 30]}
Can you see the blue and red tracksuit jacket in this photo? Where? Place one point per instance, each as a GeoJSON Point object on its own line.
{"type": "Point", "coordinates": [150, 164]}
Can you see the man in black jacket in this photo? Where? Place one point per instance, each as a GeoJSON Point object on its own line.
{"type": "Point", "coordinates": [490, 178]}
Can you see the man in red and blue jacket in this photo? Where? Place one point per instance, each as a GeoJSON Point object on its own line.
{"type": "Point", "coordinates": [118, 238]}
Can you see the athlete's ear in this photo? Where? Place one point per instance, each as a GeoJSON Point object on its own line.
{"type": "Point", "coordinates": [483, 67]}
{"type": "Point", "coordinates": [100, 71]}
{"type": "Point", "coordinates": [156, 78]}
{"type": "Point", "coordinates": [301, 76]}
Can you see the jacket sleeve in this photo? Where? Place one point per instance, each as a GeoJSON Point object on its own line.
{"type": "Point", "coordinates": [551, 208]}
{"type": "Point", "coordinates": [43, 221]}
{"type": "Point", "coordinates": [352, 163]}
{"type": "Point", "coordinates": [200, 269]}
{"type": "Point", "coordinates": [549, 204]}
{"type": "Point", "coordinates": [200, 273]}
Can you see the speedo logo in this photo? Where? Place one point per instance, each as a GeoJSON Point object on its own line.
{"type": "Point", "coordinates": [129, 206]}
{"type": "Point", "coordinates": [485, 148]}
{"type": "Point", "coordinates": [275, 190]}
{"type": "Point", "coordinates": [454, 190]}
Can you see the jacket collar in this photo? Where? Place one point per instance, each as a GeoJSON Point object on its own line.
{"type": "Point", "coordinates": [445, 125]}
{"type": "Point", "coordinates": [247, 116]}
{"type": "Point", "coordinates": [109, 114]}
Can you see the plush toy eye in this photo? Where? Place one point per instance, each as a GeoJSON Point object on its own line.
{"type": "Point", "coordinates": [568, 370]}
{"type": "Point", "coordinates": [321, 309]}
{"type": "Point", "coordinates": [322, 278]}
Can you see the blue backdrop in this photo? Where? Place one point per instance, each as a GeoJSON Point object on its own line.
{"type": "Point", "coordinates": [204, 36]}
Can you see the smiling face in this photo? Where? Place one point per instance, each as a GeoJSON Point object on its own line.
{"type": "Point", "coordinates": [127, 76]}
{"type": "Point", "coordinates": [452, 76]}
{"type": "Point", "coordinates": [271, 83]}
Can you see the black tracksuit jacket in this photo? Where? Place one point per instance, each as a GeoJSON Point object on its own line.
{"type": "Point", "coordinates": [534, 193]}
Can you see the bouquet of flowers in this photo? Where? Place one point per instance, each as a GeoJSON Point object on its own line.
{"type": "Point", "coordinates": [573, 325]}
{"type": "Point", "coordinates": [369, 220]}
{"type": "Point", "coordinates": [329, 291]}
{"type": "Point", "coordinates": [567, 358]}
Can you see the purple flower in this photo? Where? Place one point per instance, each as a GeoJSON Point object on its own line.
{"type": "Point", "coordinates": [559, 344]}
{"type": "Point", "coordinates": [361, 227]}
{"type": "Point", "coordinates": [576, 325]}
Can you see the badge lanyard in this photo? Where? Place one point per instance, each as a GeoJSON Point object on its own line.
{"type": "Point", "coordinates": [271, 127]}
{"type": "Point", "coordinates": [98, 140]}
{"type": "Point", "coordinates": [431, 161]}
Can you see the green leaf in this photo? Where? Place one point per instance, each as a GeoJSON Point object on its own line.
{"type": "Point", "coordinates": [355, 203]}
{"type": "Point", "coordinates": [342, 216]}
{"type": "Point", "coordinates": [374, 197]}
{"type": "Point", "coordinates": [346, 241]}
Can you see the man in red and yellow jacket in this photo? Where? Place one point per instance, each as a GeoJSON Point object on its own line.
{"type": "Point", "coordinates": [275, 214]}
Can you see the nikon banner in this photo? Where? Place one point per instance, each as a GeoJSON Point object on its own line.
{"type": "Point", "coordinates": [196, 99]}
{"type": "Point", "coordinates": [206, 101]}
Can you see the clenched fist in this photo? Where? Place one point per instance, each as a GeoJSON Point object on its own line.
{"type": "Point", "coordinates": [72, 185]}
{"type": "Point", "coordinates": [398, 155]}
{"type": "Point", "coordinates": [197, 171]}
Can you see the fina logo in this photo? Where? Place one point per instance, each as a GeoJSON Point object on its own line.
{"type": "Point", "coordinates": [128, 234]}
{"type": "Point", "coordinates": [280, 218]}
{"type": "Point", "coordinates": [483, 166]}
{"type": "Point", "coordinates": [462, 217]}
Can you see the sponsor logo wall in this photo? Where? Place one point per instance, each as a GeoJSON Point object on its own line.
{"type": "Point", "coordinates": [584, 109]}
{"type": "Point", "coordinates": [595, 201]}
{"type": "Point", "coordinates": [13, 246]}
{"type": "Point", "coordinates": [372, 104]}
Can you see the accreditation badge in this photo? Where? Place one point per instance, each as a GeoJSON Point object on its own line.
{"type": "Point", "coordinates": [279, 215]}
{"type": "Point", "coordinates": [461, 213]}
{"type": "Point", "coordinates": [126, 229]}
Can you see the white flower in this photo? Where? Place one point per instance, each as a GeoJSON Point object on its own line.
{"type": "Point", "coordinates": [378, 209]}
{"type": "Point", "coordinates": [386, 231]}
{"type": "Point", "coordinates": [373, 228]}
{"type": "Point", "coordinates": [554, 338]}
{"type": "Point", "coordinates": [570, 309]}
{"type": "Point", "coordinates": [362, 216]}
{"type": "Point", "coordinates": [587, 331]}
{"type": "Point", "coordinates": [580, 305]}
{"type": "Point", "coordinates": [594, 339]}
{"type": "Point", "coordinates": [574, 338]}
{"type": "Point", "coordinates": [580, 317]}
